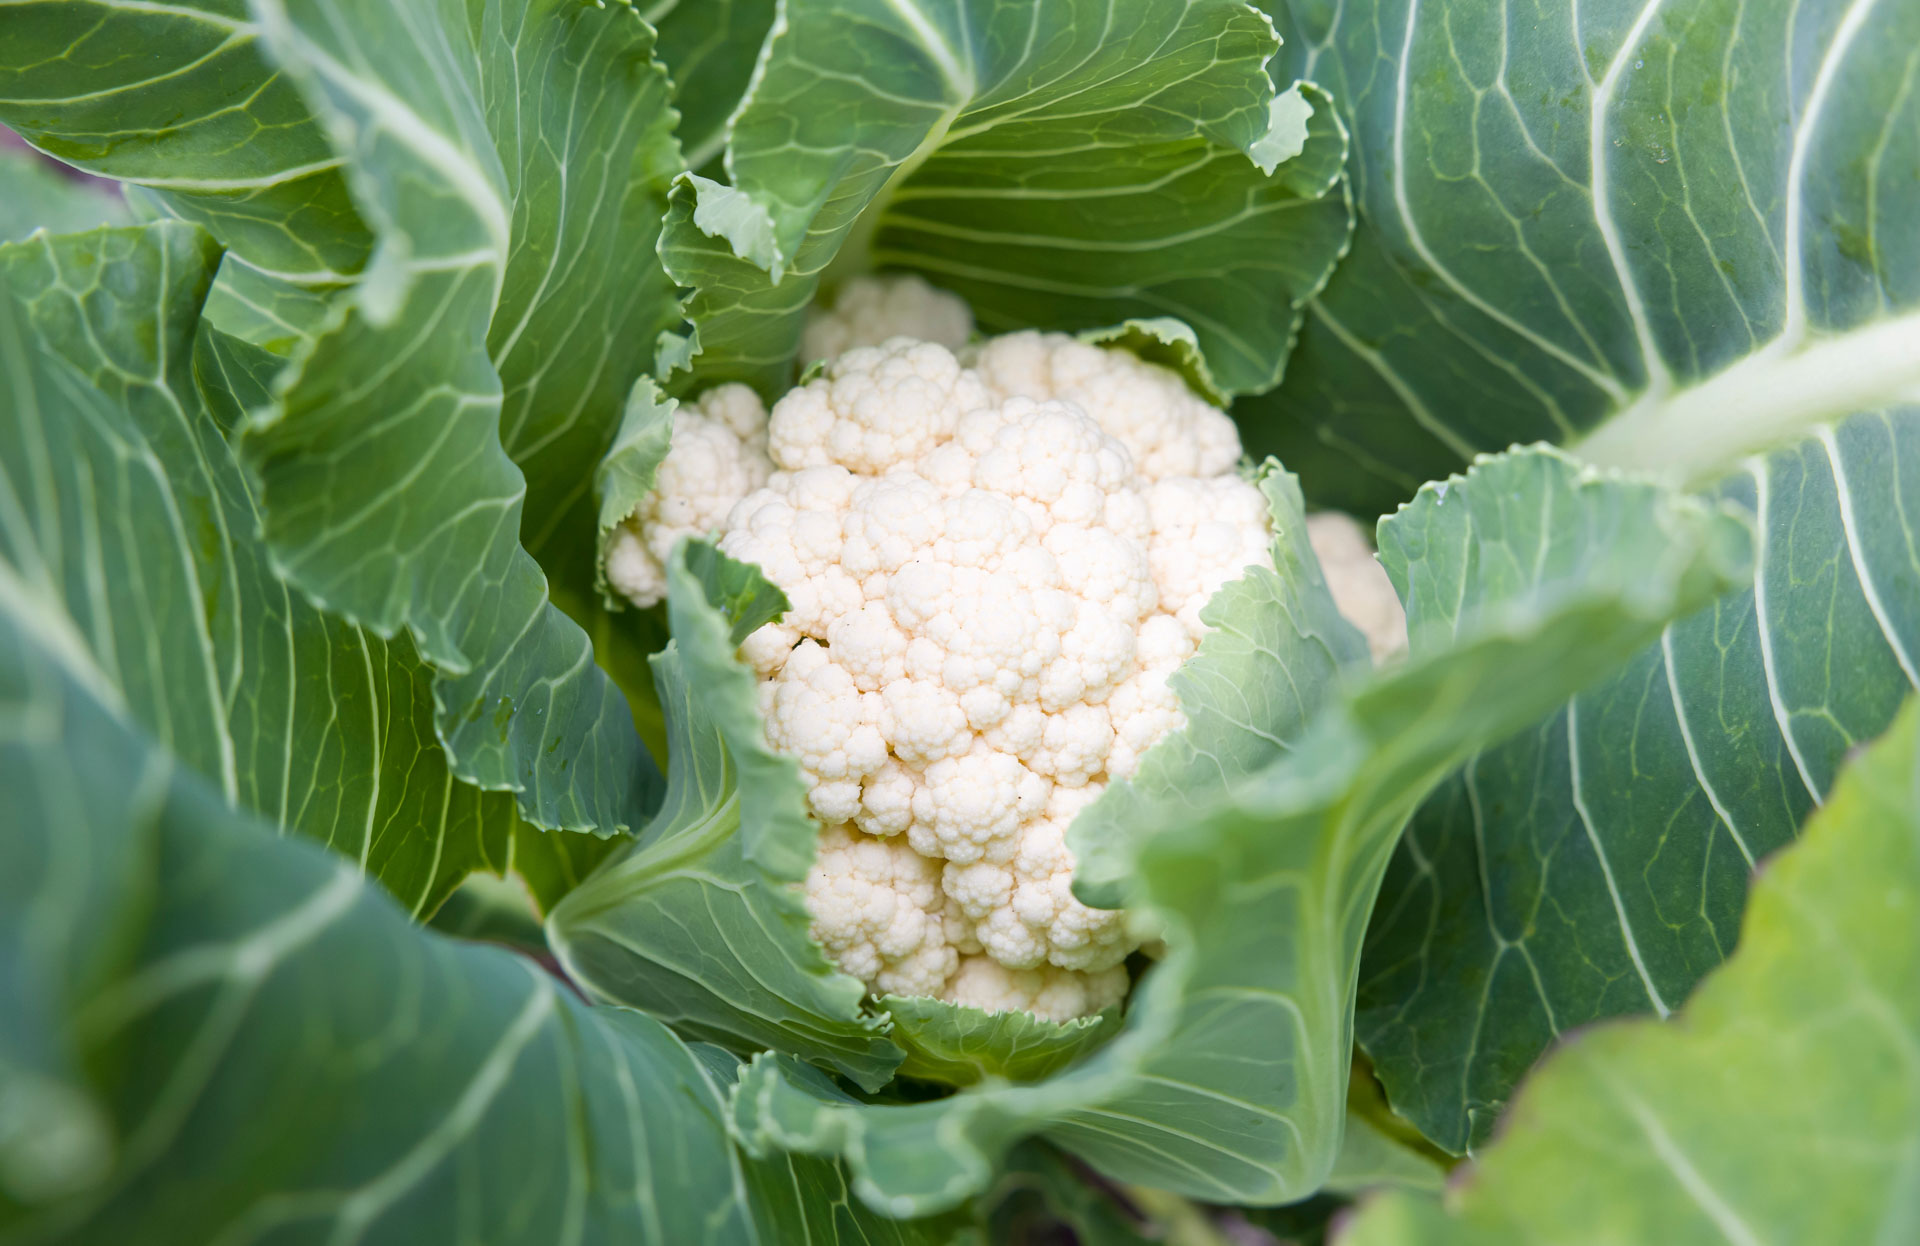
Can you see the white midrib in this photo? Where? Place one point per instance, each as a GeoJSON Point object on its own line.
{"type": "Point", "coordinates": [1766, 398]}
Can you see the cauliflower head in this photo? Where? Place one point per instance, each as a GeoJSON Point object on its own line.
{"type": "Point", "coordinates": [988, 596]}
{"type": "Point", "coordinates": [868, 310]}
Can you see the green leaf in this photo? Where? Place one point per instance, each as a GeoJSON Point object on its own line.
{"type": "Point", "coordinates": [35, 194]}
{"type": "Point", "coordinates": [181, 99]}
{"type": "Point", "coordinates": [1048, 168]}
{"type": "Point", "coordinates": [959, 1046]}
{"type": "Point", "coordinates": [1661, 232]}
{"type": "Point", "coordinates": [710, 48]}
{"type": "Point", "coordinates": [699, 920]}
{"type": "Point", "coordinates": [745, 598]}
{"type": "Point", "coordinates": [130, 526]}
{"type": "Point", "coordinates": [626, 473]}
{"type": "Point", "coordinates": [1790, 1070]}
{"type": "Point", "coordinates": [1228, 1081]}
{"type": "Point", "coordinates": [274, 315]}
{"type": "Point", "coordinates": [194, 1051]}
{"type": "Point", "coordinates": [1167, 342]}
{"type": "Point", "coordinates": [507, 151]}
{"type": "Point", "coordinates": [1597, 865]}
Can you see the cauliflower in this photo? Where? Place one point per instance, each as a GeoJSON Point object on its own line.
{"type": "Point", "coordinates": [989, 592]}
{"type": "Point", "coordinates": [868, 310]}
{"type": "Point", "coordinates": [718, 456]}
{"type": "Point", "coordinates": [1358, 582]}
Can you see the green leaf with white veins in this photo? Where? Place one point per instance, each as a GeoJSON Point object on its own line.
{"type": "Point", "coordinates": [1791, 1070]}
{"type": "Point", "coordinates": [1067, 164]}
{"type": "Point", "coordinates": [1597, 864]}
{"type": "Point", "coordinates": [457, 404]}
{"type": "Point", "coordinates": [1728, 274]}
{"type": "Point", "coordinates": [194, 1052]}
{"type": "Point", "coordinates": [699, 920]}
{"type": "Point", "coordinates": [181, 99]}
{"type": "Point", "coordinates": [1228, 1081]}
{"type": "Point", "coordinates": [1672, 231]}
{"type": "Point", "coordinates": [127, 520]}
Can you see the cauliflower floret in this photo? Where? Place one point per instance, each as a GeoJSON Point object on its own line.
{"type": "Point", "coordinates": [1050, 993]}
{"type": "Point", "coordinates": [869, 310]}
{"type": "Point", "coordinates": [718, 456]}
{"type": "Point", "coordinates": [1206, 532]}
{"type": "Point", "coordinates": [1358, 582]}
{"type": "Point", "coordinates": [1169, 430]}
{"type": "Point", "coordinates": [990, 592]}
{"type": "Point", "coordinates": [874, 408]}
{"type": "Point", "coordinates": [878, 912]}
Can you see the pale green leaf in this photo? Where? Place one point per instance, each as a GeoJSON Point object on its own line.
{"type": "Point", "coordinates": [1782, 1104]}
{"type": "Point", "coordinates": [960, 1046]}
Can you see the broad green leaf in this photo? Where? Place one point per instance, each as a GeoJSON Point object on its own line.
{"type": "Point", "coordinates": [125, 518]}
{"type": "Point", "coordinates": [456, 405]}
{"type": "Point", "coordinates": [1372, 1159]}
{"type": "Point", "coordinates": [182, 99]}
{"type": "Point", "coordinates": [1722, 276]}
{"type": "Point", "coordinates": [1667, 231]}
{"type": "Point", "coordinates": [710, 48]}
{"type": "Point", "coordinates": [1229, 1079]}
{"type": "Point", "coordinates": [959, 1046]}
{"type": "Point", "coordinates": [551, 114]}
{"type": "Point", "coordinates": [1051, 162]}
{"type": "Point", "coordinates": [698, 920]}
{"type": "Point", "coordinates": [35, 194]}
{"type": "Point", "coordinates": [194, 1050]}
{"type": "Point", "coordinates": [1781, 1105]}
{"type": "Point", "coordinates": [1598, 863]}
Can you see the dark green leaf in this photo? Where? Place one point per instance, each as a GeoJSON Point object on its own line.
{"type": "Point", "coordinates": [1663, 230]}
{"type": "Point", "coordinates": [181, 99]}
{"type": "Point", "coordinates": [1052, 168]}
{"type": "Point", "coordinates": [710, 47]}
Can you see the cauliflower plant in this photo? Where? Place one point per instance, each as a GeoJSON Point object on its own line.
{"type": "Point", "coordinates": [994, 565]}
